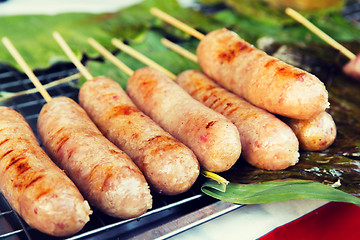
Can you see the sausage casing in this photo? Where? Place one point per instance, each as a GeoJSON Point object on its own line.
{"type": "Point", "coordinates": [213, 138]}
{"type": "Point", "coordinates": [169, 166]}
{"type": "Point", "coordinates": [259, 78]}
{"type": "Point", "coordinates": [266, 141]}
{"type": "Point", "coordinates": [33, 185]}
{"type": "Point", "coordinates": [315, 134]}
{"type": "Point", "coordinates": [105, 175]}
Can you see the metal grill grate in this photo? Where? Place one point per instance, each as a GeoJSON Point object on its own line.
{"type": "Point", "coordinates": [101, 226]}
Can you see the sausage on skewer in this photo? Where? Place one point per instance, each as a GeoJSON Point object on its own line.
{"type": "Point", "coordinates": [168, 165]}
{"type": "Point", "coordinates": [267, 142]}
{"type": "Point", "coordinates": [259, 78]}
{"type": "Point", "coordinates": [33, 185]}
{"type": "Point", "coordinates": [104, 174]}
{"type": "Point", "coordinates": [212, 137]}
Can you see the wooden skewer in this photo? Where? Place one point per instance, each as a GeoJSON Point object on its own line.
{"type": "Point", "coordinates": [298, 17]}
{"type": "Point", "coordinates": [110, 56]}
{"type": "Point", "coordinates": [173, 21]}
{"type": "Point", "coordinates": [19, 59]}
{"type": "Point", "coordinates": [182, 51]}
{"type": "Point", "coordinates": [46, 86]}
{"type": "Point", "coordinates": [82, 69]}
{"type": "Point", "coordinates": [132, 52]}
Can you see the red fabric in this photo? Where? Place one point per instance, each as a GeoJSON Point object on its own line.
{"type": "Point", "coordinates": [340, 221]}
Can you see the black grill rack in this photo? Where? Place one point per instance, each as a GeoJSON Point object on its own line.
{"type": "Point", "coordinates": [165, 208]}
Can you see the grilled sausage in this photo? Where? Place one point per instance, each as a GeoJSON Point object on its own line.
{"type": "Point", "coordinates": [259, 78]}
{"type": "Point", "coordinates": [267, 142]}
{"type": "Point", "coordinates": [213, 138]}
{"type": "Point", "coordinates": [315, 134]}
{"type": "Point", "coordinates": [169, 166]}
{"type": "Point", "coordinates": [33, 185]}
{"type": "Point", "coordinates": [105, 175]}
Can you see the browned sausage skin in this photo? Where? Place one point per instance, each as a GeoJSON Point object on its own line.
{"type": "Point", "coordinates": [104, 174]}
{"type": "Point", "coordinates": [169, 166]}
{"type": "Point", "coordinates": [259, 78]}
{"type": "Point", "coordinates": [267, 142]}
{"type": "Point", "coordinates": [315, 134]}
{"type": "Point", "coordinates": [212, 137]}
{"type": "Point", "coordinates": [33, 185]}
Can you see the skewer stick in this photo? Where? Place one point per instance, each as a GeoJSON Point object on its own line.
{"type": "Point", "coordinates": [19, 59]}
{"type": "Point", "coordinates": [173, 21]}
{"type": "Point", "coordinates": [132, 52]}
{"type": "Point", "coordinates": [46, 86]}
{"type": "Point", "coordinates": [82, 69]}
{"type": "Point", "coordinates": [103, 51]}
{"type": "Point", "coordinates": [298, 17]}
{"type": "Point", "coordinates": [180, 50]}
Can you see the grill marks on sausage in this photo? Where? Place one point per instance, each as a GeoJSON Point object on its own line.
{"type": "Point", "coordinates": [217, 102]}
{"type": "Point", "coordinates": [115, 152]}
{"type": "Point", "coordinates": [18, 161]}
{"type": "Point", "coordinates": [4, 141]}
{"type": "Point", "coordinates": [102, 169]}
{"type": "Point", "coordinates": [285, 71]}
{"type": "Point", "coordinates": [8, 152]}
{"type": "Point", "coordinates": [34, 181]}
{"type": "Point", "coordinates": [164, 143]}
{"type": "Point", "coordinates": [22, 168]}
{"type": "Point", "coordinates": [233, 110]}
{"type": "Point", "coordinates": [228, 105]}
{"type": "Point", "coordinates": [63, 139]}
{"type": "Point", "coordinates": [58, 131]}
{"type": "Point", "coordinates": [160, 138]}
{"type": "Point", "coordinates": [61, 142]}
{"type": "Point", "coordinates": [209, 92]}
{"type": "Point", "coordinates": [153, 138]}
{"type": "Point", "coordinates": [270, 63]}
{"type": "Point", "coordinates": [211, 123]}
{"type": "Point", "coordinates": [14, 160]}
{"type": "Point", "coordinates": [214, 102]}
{"type": "Point", "coordinates": [43, 193]}
{"type": "Point", "coordinates": [232, 51]}
{"type": "Point", "coordinates": [70, 153]}
{"type": "Point", "coordinates": [147, 86]}
{"type": "Point", "coordinates": [288, 73]}
{"type": "Point", "coordinates": [32, 178]}
{"type": "Point", "coordinates": [121, 110]}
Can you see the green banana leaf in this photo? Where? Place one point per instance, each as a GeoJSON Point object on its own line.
{"type": "Point", "coordinates": [276, 191]}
